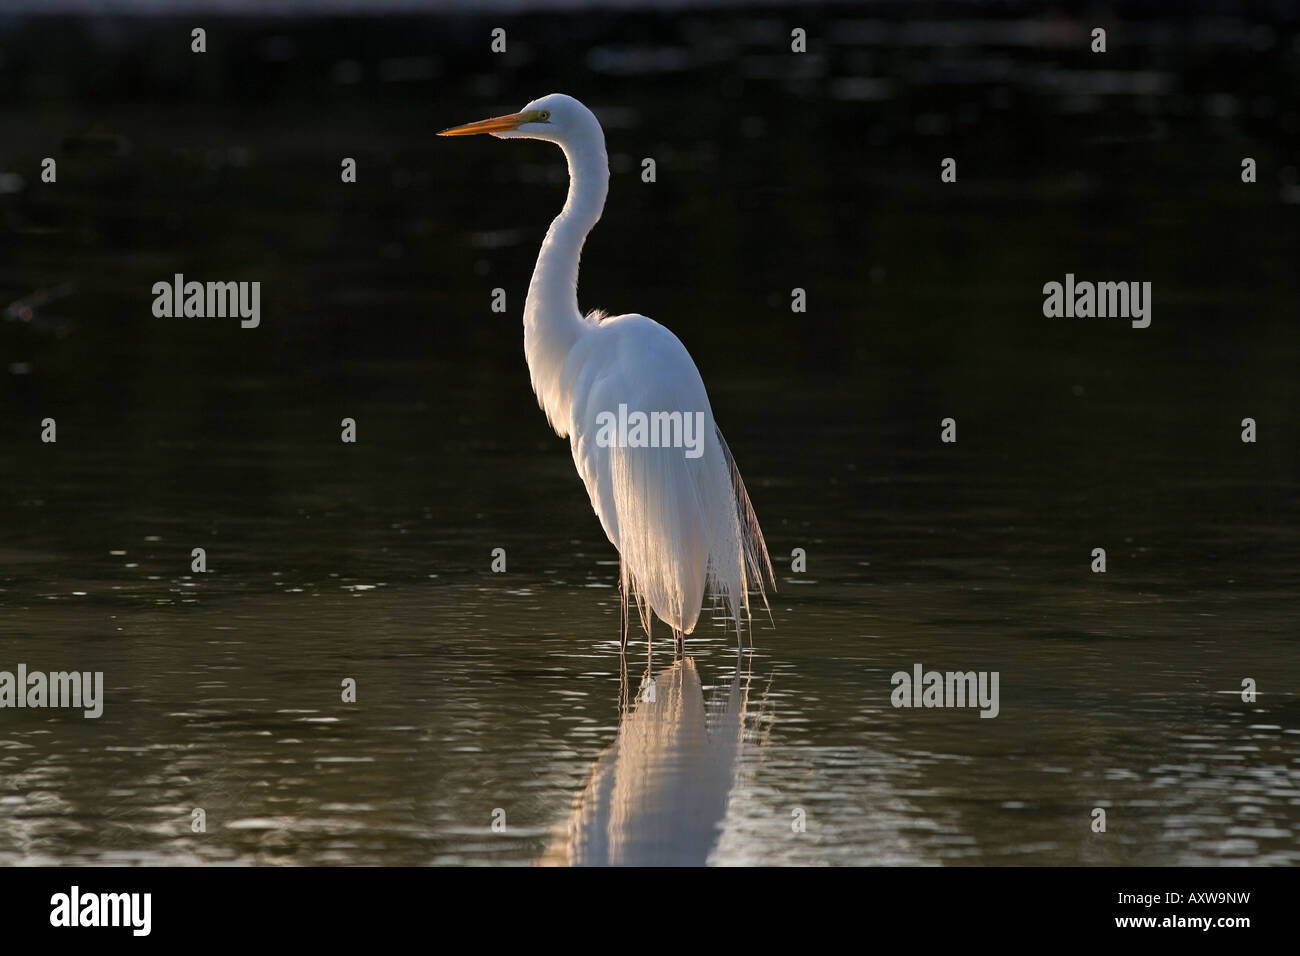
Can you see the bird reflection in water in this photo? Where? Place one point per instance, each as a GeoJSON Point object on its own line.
{"type": "Point", "coordinates": [658, 795]}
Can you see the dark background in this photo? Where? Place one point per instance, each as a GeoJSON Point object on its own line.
{"type": "Point", "coordinates": [775, 171]}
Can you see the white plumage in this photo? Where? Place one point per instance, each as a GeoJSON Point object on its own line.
{"type": "Point", "coordinates": [683, 525]}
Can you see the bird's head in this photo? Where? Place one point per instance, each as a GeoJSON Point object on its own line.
{"type": "Point", "coordinates": [556, 118]}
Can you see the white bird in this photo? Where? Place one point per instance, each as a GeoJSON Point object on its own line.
{"type": "Point", "coordinates": [682, 525]}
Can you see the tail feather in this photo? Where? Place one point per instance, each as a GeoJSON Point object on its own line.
{"type": "Point", "coordinates": [685, 528]}
{"type": "Point", "coordinates": [755, 563]}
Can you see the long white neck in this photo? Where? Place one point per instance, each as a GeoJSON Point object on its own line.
{"type": "Point", "coordinates": [552, 321]}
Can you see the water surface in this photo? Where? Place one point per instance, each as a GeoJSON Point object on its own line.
{"type": "Point", "coordinates": [485, 697]}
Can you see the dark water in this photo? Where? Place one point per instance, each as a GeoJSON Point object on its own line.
{"type": "Point", "coordinates": [486, 696]}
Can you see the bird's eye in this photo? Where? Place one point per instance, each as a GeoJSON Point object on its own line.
{"type": "Point", "coordinates": [544, 115]}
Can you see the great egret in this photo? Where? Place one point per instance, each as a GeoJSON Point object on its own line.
{"type": "Point", "coordinates": [679, 516]}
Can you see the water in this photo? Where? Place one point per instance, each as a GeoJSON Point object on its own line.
{"type": "Point", "coordinates": [479, 693]}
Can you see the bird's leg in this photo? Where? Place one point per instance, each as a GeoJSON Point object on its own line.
{"type": "Point", "coordinates": [679, 642]}
{"type": "Point", "coordinates": [622, 601]}
{"type": "Point", "coordinates": [623, 702]}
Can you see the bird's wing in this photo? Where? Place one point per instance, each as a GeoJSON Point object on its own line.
{"type": "Point", "coordinates": [626, 360]}
{"type": "Point", "coordinates": [680, 521]}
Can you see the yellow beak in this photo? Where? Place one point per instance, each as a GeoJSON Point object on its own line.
{"type": "Point", "coordinates": [495, 125]}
